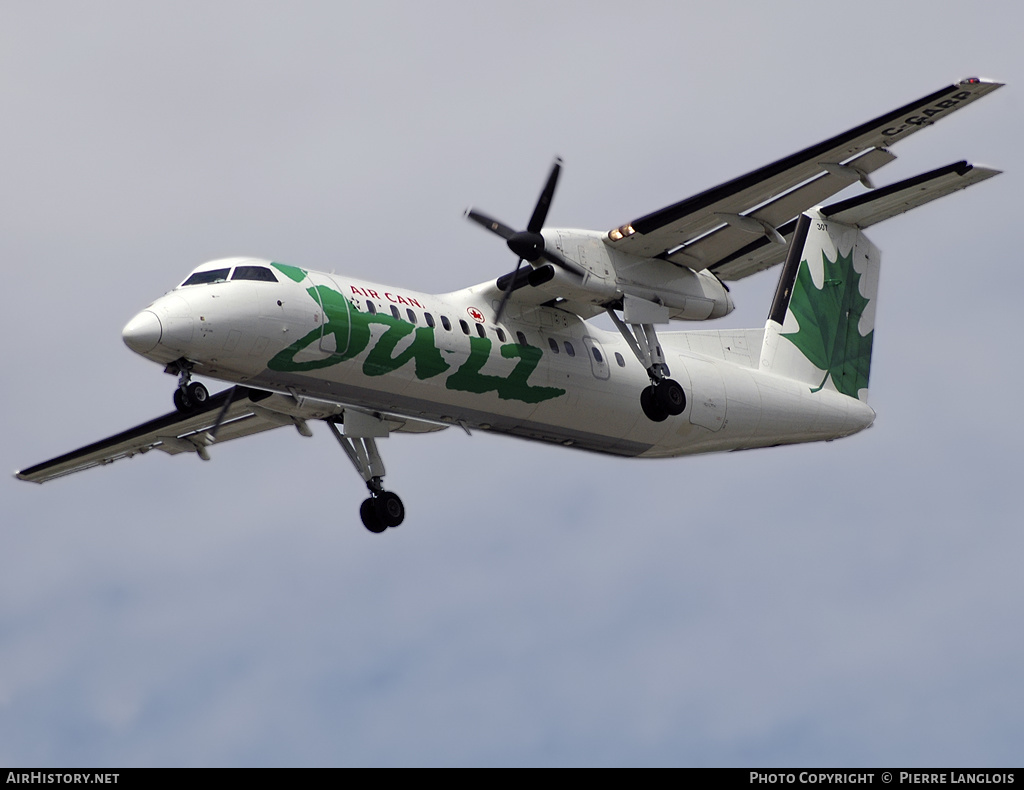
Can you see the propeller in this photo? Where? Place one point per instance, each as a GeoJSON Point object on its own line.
{"type": "Point", "coordinates": [212, 433]}
{"type": "Point", "coordinates": [527, 244]}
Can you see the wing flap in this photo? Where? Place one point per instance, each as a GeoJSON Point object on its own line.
{"type": "Point", "coordinates": [728, 239]}
{"type": "Point", "coordinates": [654, 234]}
{"type": "Point", "coordinates": [756, 256]}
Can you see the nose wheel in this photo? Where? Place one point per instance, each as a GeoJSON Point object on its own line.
{"type": "Point", "coordinates": [190, 395]}
{"type": "Point", "coordinates": [193, 396]}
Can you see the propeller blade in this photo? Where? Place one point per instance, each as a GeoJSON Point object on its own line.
{"type": "Point", "coordinates": [221, 415]}
{"type": "Point", "coordinates": [508, 293]}
{"type": "Point", "coordinates": [527, 244]}
{"type": "Point", "coordinates": [491, 224]}
{"type": "Point", "coordinates": [540, 213]}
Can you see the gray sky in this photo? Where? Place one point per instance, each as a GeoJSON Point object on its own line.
{"type": "Point", "coordinates": [852, 603]}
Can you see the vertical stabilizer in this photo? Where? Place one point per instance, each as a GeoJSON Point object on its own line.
{"type": "Point", "coordinates": [822, 320]}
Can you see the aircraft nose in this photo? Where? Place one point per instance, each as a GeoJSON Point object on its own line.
{"type": "Point", "coordinates": [142, 333]}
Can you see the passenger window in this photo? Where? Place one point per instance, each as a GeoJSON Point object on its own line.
{"type": "Point", "coordinates": [501, 335]}
{"type": "Point", "coordinates": [395, 313]}
{"type": "Point", "coordinates": [430, 320]}
{"type": "Point", "coordinates": [569, 349]}
{"type": "Point", "coordinates": [446, 323]}
{"type": "Point", "coordinates": [553, 343]}
{"type": "Point", "coordinates": [371, 308]}
{"type": "Point", "coordinates": [619, 360]}
{"type": "Point", "coordinates": [254, 273]}
{"type": "Point", "coordinates": [465, 326]}
{"type": "Point", "coordinates": [521, 338]}
{"type": "Point", "coordinates": [411, 314]}
{"type": "Point", "coordinates": [597, 354]}
{"type": "Point", "coordinates": [480, 330]}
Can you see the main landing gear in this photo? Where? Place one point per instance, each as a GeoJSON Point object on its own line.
{"type": "Point", "coordinates": [382, 509]}
{"type": "Point", "coordinates": [664, 397]}
{"type": "Point", "coordinates": [190, 395]}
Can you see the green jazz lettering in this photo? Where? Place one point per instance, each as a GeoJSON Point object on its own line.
{"type": "Point", "coordinates": [468, 377]}
{"type": "Point", "coordinates": [351, 333]}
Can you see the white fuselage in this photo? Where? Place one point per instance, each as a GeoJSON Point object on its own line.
{"type": "Point", "coordinates": [441, 358]}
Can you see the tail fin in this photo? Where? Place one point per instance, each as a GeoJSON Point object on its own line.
{"type": "Point", "coordinates": [822, 320]}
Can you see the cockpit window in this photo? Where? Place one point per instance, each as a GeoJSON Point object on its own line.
{"type": "Point", "coordinates": [254, 273]}
{"type": "Point", "coordinates": [211, 276]}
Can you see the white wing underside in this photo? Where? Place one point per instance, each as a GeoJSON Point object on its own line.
{"type": "Point", "coordinates": [176, 433]}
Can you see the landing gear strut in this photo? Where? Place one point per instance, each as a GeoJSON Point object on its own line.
{"type": "Point", "coordinates": [190, 395]}
{"type": "Point", "coordinates": [664, 397]}
{"type": "Point", "coordinates": [382, 509]}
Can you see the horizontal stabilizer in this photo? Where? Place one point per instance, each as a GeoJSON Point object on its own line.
{"type": "Point", "coordinates": [881, 204]}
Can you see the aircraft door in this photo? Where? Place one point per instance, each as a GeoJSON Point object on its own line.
{"type": "Point", "coordinates": [335, 315]}
{"type": "Point", "coordinates": [598, 360]}
{"type": "Point", "coordinates": [707, 393]}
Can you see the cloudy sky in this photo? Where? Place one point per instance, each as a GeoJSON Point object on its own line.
{"type": "Point", "coordinates": [855, 603]}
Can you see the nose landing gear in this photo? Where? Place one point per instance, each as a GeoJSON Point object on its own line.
{"type": "Point", "coordinates": [190, 395]}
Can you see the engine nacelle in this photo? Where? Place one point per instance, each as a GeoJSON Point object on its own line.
{"type": "Point", "coordinates": [608, 275]}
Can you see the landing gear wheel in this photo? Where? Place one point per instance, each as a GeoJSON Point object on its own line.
{"type": "Point", "coordinates": [368, 513]}
{"type": "Point", "coordinates": [182, 402]}
{"type": "Point", "coordinates": [390, 509]}
{"type": "Point", "coordinates": [198, 394]}
{"type": "Point", "coordinates": [652, 405]}
{"type": "Point", "coordinates": [670, 396]}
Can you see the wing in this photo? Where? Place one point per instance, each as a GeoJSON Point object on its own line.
{"type": "Point", "coordinates": [708, 230]}
{"type": "Point", "coordinates": [173, 433]}
{"type": "Point", "coordinates": [240, 411]}
{"type": "Point", "coordinates": [861, 211]}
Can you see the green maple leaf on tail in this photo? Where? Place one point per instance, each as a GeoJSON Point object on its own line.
{"type": "Point", "coordinates": [828, 319]}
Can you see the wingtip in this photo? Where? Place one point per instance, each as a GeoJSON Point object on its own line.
{"type": "Point", "coordinates": [993, 84]}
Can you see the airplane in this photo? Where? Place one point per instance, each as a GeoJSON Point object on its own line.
{"type": "Point", "coordinates": [520, 355]}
